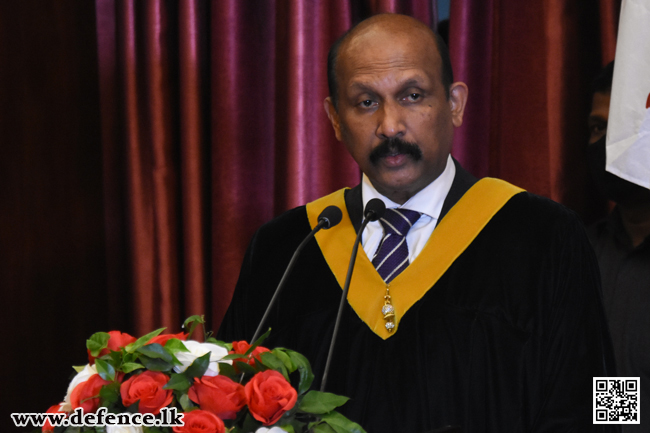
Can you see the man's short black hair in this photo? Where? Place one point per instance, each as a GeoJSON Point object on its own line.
{"type": "Point", "coordinates": [603, 81]}
{"type": "Point", "coordinates": [447, 72]}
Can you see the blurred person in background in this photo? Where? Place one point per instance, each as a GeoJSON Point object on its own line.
{"type": "Point", "coordinates": [622, 245]}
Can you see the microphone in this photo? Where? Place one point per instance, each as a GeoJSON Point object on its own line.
{"type": "Point", "coordinates": [328, 218]}
{"type": "Point", "coordinates": [374, 210]}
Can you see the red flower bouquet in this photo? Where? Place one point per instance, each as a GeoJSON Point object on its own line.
{"type": "Point", "coordinates": [168, 383]}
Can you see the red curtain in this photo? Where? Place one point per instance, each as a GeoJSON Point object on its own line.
{"type": "Point", "coordinates": [529, 67]}
{"type": "Point", "coordinates": [52, 251]}
{"type": "Point", "coordinates": [212, 123]}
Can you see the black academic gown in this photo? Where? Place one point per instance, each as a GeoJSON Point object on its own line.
{"type": "Point", "coordinates": [507, 340]}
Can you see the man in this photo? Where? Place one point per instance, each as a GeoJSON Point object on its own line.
{"type": "Point", "coordinates": [622, 245]}
{"type": "Point", "coordinates": [491, 322]}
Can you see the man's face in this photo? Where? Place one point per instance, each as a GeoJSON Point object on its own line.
{"type": "Point", "coordinates": [393, 114]}
{"type": "Point", "coordinates": [599, 116]}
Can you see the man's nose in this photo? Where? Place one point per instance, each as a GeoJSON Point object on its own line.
{"type": "Point", "coordinates": [390, 123]}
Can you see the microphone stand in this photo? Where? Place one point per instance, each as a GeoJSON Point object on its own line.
{"type": "Point", "coordinates": [369, 215]}
{"type": "Point", "coordinates": [327, 219]}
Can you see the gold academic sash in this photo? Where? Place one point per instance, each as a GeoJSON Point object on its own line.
{"type": "Point", "coordinates": [451, 237]}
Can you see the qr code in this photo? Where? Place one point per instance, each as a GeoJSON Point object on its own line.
{"type": "Point", "coordinates": [616, 400]}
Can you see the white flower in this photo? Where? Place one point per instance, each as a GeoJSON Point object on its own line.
{"type": "Point", "coordinates": [197, 350]}
{"type": "Point", "coordinates": [82, 376]}
{"type": "Point", "coordinates": [268, 430]}
{"type": "Point", "coordinates": [123, 429]}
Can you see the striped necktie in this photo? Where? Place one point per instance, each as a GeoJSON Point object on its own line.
{"type": "Point", "coordinates": [392, 256]}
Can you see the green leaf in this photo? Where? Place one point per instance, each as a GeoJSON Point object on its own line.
{"type": "Point", "coordinates": [115, 357]}
{"type": "Point", "coordinates": [129, 357]}
{"type": "Point", "coordinates": [288, 428]}
{"type": "Point", "coordinates": [194, 318]}
{"type": "Point", "coordinates": [178, 382]}
{"type": "Point", "coordinates": [274, 363]}
{"type": "Point", "coordinates": [297, 425]}
{"type": "Point", "coordinates": [134, 407]}
{"type": "Point", "coordinates": [195, 321]}
{"type": "Point", "coordinates": [234, 356]}
{"type": "Point", "coordinates": [322, 428]}
{"type": "Point", "coordinates": [227, 346]}
{"type": "Point", "coordinates": [174, 345]}
{"type": "Point", "coordinates": [321, 402]}
{"type": "Point", "coordinates": [106, 371]}
{"type": "Point", "coordinates": [78, 368]}
{"type": "Point", "coordinates": [341, 424]}
{"type": "Point", "coordinates": [110, 393]}
{"type": "Point", "coordinates": [245, 368]}
{"type": "Point", "coordinates": [97, 342]}
{"type": "Point", "coordinates": [198, 367]}
{"type": "Point", "coordinates": [155, 350]}
{"type": "Point", "coordinates": [128, 367]}
{"type": "Point", "coordinates": [155, 364]}
{"type": "Point", "coordinates": [250, 424]}
{"type": "Point", "coordinates": [258, 342]}
{"type": "Point", "coordinates": [132, 347]}
{"type": "Point", "coordinates": [286, 360]}
{"type": "Point", "coordinates": [186, 403]}
{"type": "Point", "coordinates": [303, 366]}
{"type": "Point", "coordinates": [227, 370]}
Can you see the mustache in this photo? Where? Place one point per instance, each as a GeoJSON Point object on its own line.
{"type": "Point", "coordinates": [395, 145]}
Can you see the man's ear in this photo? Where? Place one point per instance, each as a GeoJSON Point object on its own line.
{"type": "Point", "coordinates": [333, 115]}
{"type": "Point", "coordinates": [457, 100]}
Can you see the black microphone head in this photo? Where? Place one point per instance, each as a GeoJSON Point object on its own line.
{"type": "Point", "coordinates": [332, 215]}
{"type": "Point", "coordinates": [374, 209]}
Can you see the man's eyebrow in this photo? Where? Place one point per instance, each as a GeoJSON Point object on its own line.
{"type": "Point", "coordinates": [411, 82]}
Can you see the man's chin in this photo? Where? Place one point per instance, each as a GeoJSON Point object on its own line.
{"type": "Point", "coordinates": [397, 183]}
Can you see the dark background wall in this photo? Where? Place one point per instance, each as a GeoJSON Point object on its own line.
{"type": "Point", "coordinates": [52, 255]}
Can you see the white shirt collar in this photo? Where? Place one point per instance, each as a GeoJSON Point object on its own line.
{"type": "Point", "coordinates": [428, 201]}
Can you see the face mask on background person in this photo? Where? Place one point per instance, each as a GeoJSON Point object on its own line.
{"type": "Point", "coordinates": [611, 186]}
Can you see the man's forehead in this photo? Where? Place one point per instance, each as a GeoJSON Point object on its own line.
{"type": "Point", "coordinates": [600, 104]}
{"type": "Point", "coordinates": [385, 32]}
{"type": "Point", "coordinates": [377, 51]}
{"type": "Point", "coordinates": [390, 23]}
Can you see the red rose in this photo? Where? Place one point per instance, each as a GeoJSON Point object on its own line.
{"type": "Point", "coordinates": [200, 421]}
{"type": "Point", "coordinates": [82, 393]}
{"type": "Point", "coordinates": [162, 339]}
{"type": "Point", "coordinates": [47, 427]}
{"type": "Point", "coordinates": [117, 340]}
{"type": "Point", "coordinates": [219, 395]}
{"type": "Point", "coordinates": [269, 396]}
{"type": "Point", "coordinates": [241, 347]}
{"type": "Point", "coordinates": [148, 388]}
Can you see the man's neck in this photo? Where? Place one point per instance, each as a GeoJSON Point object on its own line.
{"type": "Point", "coordinates": [399, 197]}
{"type": "Point", "coordinates": [636, 222]}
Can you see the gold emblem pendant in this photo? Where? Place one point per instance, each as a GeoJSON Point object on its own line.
{"type": "Point", "coordinates": [388, 311]}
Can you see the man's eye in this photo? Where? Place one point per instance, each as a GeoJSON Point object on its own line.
{"type": "Point", "coordinates": [598, 127]}
{"type": "Point", "coordinates": [367, 103]}
{"type": "Point", "coordinates": [414, 96]}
